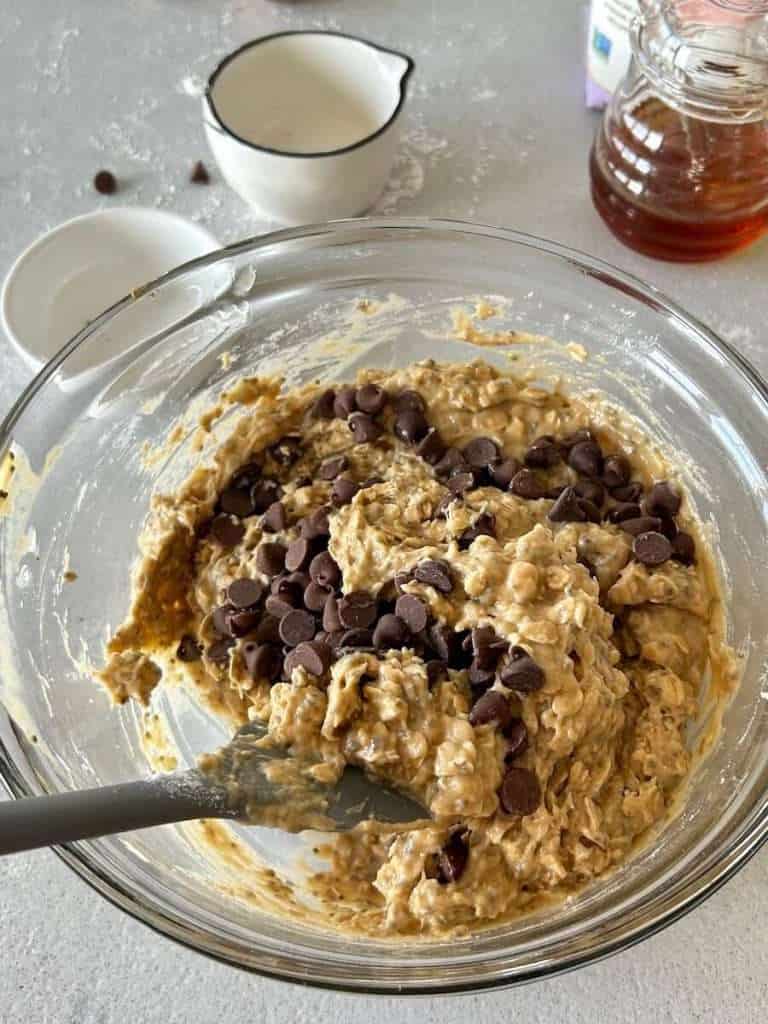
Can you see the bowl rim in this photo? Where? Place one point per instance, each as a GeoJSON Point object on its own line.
{"type": "Point", "coordinates": [689, 892]}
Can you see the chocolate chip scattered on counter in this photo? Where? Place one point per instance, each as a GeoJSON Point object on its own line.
{"type": "Point", "coordinates": [452, 459]}
{"type": "Point", "coordinates": [331, 468]}
{"type": "Point", "coordinates": [264, 493]}
{"type": "Point", "coordinates": [299, 554]}
{"type": "Point", "coordinates": [431, 447]}
{"type": "Point", "coordinates": [371, 398]}
{"type": "Point", "coordinates": [622, 511]}
{"type": "Point", "coordinates": [343, 491]}
{"type": "Point", "coordinates": [461, 483]}
{"type": "Point", "coordinates": [237, 501]}
{"type": "Point", "coordinates": [331, 620]}
{"type": "Point", "coordinates": [516, 735]}
{"type": "Point", "coordinates": [391, 633]}
{"type": "Point", "coordinates": [567, 508]}
{"type": "Point", "coordinates": [616, 471]}
{"type": "Point", "coordinates": [357, 610]}
{"type": "Point", "coordinates": [105, 183]}
{"type": "Point", "coordinates": [502, 473]}
{"type": "Point", "coordinates": [189, 649]}
{"type": "Point", "coordinates": [270, 558]}
{"type": "Point", "coordinates": [520, 792]}
{"type": "Point", "coordinates": [315, 525]}
{"type": "Point", "coordinates": [262, 661]}
{"type": "Point", "coordinates": [526, 484]}
{"type": "Point", "coordinates": [543, 453]}
{"type": "Point", "coordinates": [275, 518]}
{"type": "Point", "coordinates": [436, 670]}
{"type": "Point", "coordinates": [491, 707]}
{"type": "Point", "coordinates": [662, 500]}
{"type": "Point", "coordinates": [324, 570]}
{"type": "Point", "coordinates": [314, 656]}
{"type": "Point", "coordinates": [268, 630]}
{"type": "Point", "coordinates": [483, 526]}
{"type": "Point", "coordinates": [322, 407]}
{"type": "Point", "coordinates": [219, 649]}
{"type": "Point", "coordinates": [296, 627]}
{"type": "Point", "coordinates": [684, 548]}
{"type": "Point", "coordinates": [521, 673]}
{"type": "Point", "coordinates": [357, 639]}
{"type": "Point", "coordinates": [633, 491]}
{"type": "Point", "coordinates": [410, 401]}
{"type": "Point", "coordinates": [652, 548]}
{"type": "Point", "coordinates": [279, 605]}
{"type": "Point", "coordinates": [642, 524]}
{"type": "Point", "coordinates": [481, 452]}
{"type": "Point", "coordinates": [345, 403]}
{"type": "Point", "coordinates": [364, 428]}
{"type": "Point", "coordinates": [435, 574]}
{"type": "Point", "coordinates": [577, 437]}
{"type": "Point", "coordinates": [412, 611]}
{"type": "Point", "coordinates": [586, 458]}
{"type": "Point", "coordinates": [591, 490]}
{"type": "Point", "coordinates": [287, 450]}
{"type": "Point", "coordinates": [453, 858]}
{"type": "Point", "coordinates": [245, 592]}
{"type": "Point", "coordinates": [243, 622]}
{"type": "Point", "coordinates": [227, 530]}
{"type": "Point", "coordinates": [199, 174]}
{"type": "Point", "coordinates": [315, 596]}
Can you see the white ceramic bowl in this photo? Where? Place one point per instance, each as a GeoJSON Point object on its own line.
{"type": "Point", "coordinates": [304, 125]}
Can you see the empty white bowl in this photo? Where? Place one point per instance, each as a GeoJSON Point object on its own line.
{"type": "Point", "coordinates": [304, 125]}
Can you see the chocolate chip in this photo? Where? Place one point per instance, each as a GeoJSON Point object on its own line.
{"type": "Point", "coordinates": [287, 450]}
{"type": "Point", "coordinates": [576, 438]}
{"type": "Point", "coordinates": [652, 548]}
{"type": "Point", "coordinates": [372, 481]}
{"type": "Point", "coordinates": [357, 610]}
{"type": "Point", "coordinates": [662, 500]}
{"type": "Point", "coordinates": [435, 574]}
{"type": "Point", "coordinates": [480, 452]}
{"type": "Point", "coordinates": [502, 473]}
{"type": "Point", "coordinates": [431, 447]}
{"type": "Point", "coordinates": [452, 859]}
{"type": "Point", "coordinates": [554, 492]}
{"type": "Point", "coordinates": [270, 558]}
{"type": "Point", "coordinates": [668, 527]}
{"type": "Point", "coordinates": [543, 453]}
{"type": "Point", "coordinates": [364, 428]}
{"type": "Point", "coordinates": [227, 530]}
{"type": "Point", "coordinates": [684, 548]}
{"type": "Point", "coordinates": [199, 174]}
{"type": "Point", "coordinates": [296, 627]}
{"type": "Point", "coordinates": [521, 673]}
{"type": "Point", "coordinates": [287, 587]}
{"type": "Point", "coordinates": [441, 509]}
{"type": "Point", "coordinates": [401, 577]}
{"type": "Point", "coordinates": [443, 641]}
{"type": "Point", "coordinates": [592, 513]}
{"type": "Point", "coordinates": [622, 511]}
{"type": "Point", "coordinates": [491, 707]}
{"type": "Point", "coordinates": [245, 593]}
{"type": "Point", "coordinates": [324, 570]}
{"type": "Point", "coordinates": [567, 508]}
{"type": "Point", "coordinates": [322, 407]}
{"type": "Point", "coordinates": [314, 656]}
{"type": "Point", "coordinates": [219, 649]}
{"type": "Point", "coordinates": [480, 678]}
{"type": "Point", "coordinates": [315, 525]}
{"type": "Point", "coordinates": [264, 493]}
{"type": "Point", "coordinates": [483, 526]}
{"type": "Point", "coordinates": [331, 620]}
{"type": "Point", "coordinates": [516, 736]}
{"type": "Point", "coordinates": [344, 404]}
{"type": "Point", "coordinates": [461, 483]}
{"type": "Point", "coordinates": [279, 604]}
{"type": "Point", "coordinates": [452, 459]}
{"type": "Point", "coordinates": [343, 491]}
{"type": "Point", "coordinates": [105, 183]}
{"type": "Point", "coordinates": [525, 484]}
{"type": "Point", "coordinates": [236, 501]}
{"type": "Point", "coordinates": [298, 554]}
{"type": "Point", "coordinates": [220, 619]}
{"type": "Point", "coordinates": [410, 401]}
{"type": "Point", "coordinates": [188, 649]}
{"type": "Point", "coordinates": [591, 490]}
{"type": "Point", "coordinates": [390, 633]}
{"type": "Point", "coordinates": [642, 524]}
{"type": "Point", "coordinates": [586, 458]}
{"type": "Point", "coordinates": [331, 468]}
{"type": "Point", "coordinates": [371, 398]}
{"type": "Point", "coordinates": [243, 622]}
{"type": "Point", "coordinates": [436, 670]}
{"type": "Point", "coordinates": [315, 596]}
{"type": "Point", "coordinates": [262, 661]}
{"type": "Point", "coordinates": [410, 426]}
{"type": "Point", "coordinates": [275, 518]}
{"type": "Point", "coordinates": [268, 630]}
{"type": "Point", "coordinates": [412, 611]}
{"type": "Point", "coordinates": [632, 492]}
{"type": "Point", "coordinates": [246, 476]}
{"type": "Point", "coordinates": [616, 471]}
{"type": "Point", "coordinates": [357, 639]}
{"type": "Point", "coordinates": [520, 792]}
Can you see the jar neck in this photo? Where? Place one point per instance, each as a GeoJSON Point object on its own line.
{"type": "Point", "coordinates": [706, 58]}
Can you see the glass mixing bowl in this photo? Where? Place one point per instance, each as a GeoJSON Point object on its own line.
{"type": "Point", "coordinates": [291, 300]}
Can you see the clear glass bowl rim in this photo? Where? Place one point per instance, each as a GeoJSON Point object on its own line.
{"type": "Point", "coordinates": [740, 848]}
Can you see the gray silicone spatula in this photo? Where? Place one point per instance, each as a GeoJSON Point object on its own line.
{"type": "Point", "coordinates": [186, 795]}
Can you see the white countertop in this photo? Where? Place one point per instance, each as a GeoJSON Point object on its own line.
{"type": "Point", "coordinates": [495, 131]}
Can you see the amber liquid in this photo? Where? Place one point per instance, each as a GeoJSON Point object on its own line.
{"type": "Point", "coordinates": [678, 188]}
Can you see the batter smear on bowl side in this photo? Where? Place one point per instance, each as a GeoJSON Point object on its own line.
{"type": "Point", "coordinates": [490, 595]}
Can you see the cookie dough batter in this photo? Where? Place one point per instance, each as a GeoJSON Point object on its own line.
{"type": "Point", "coordinates": [491, 595]}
